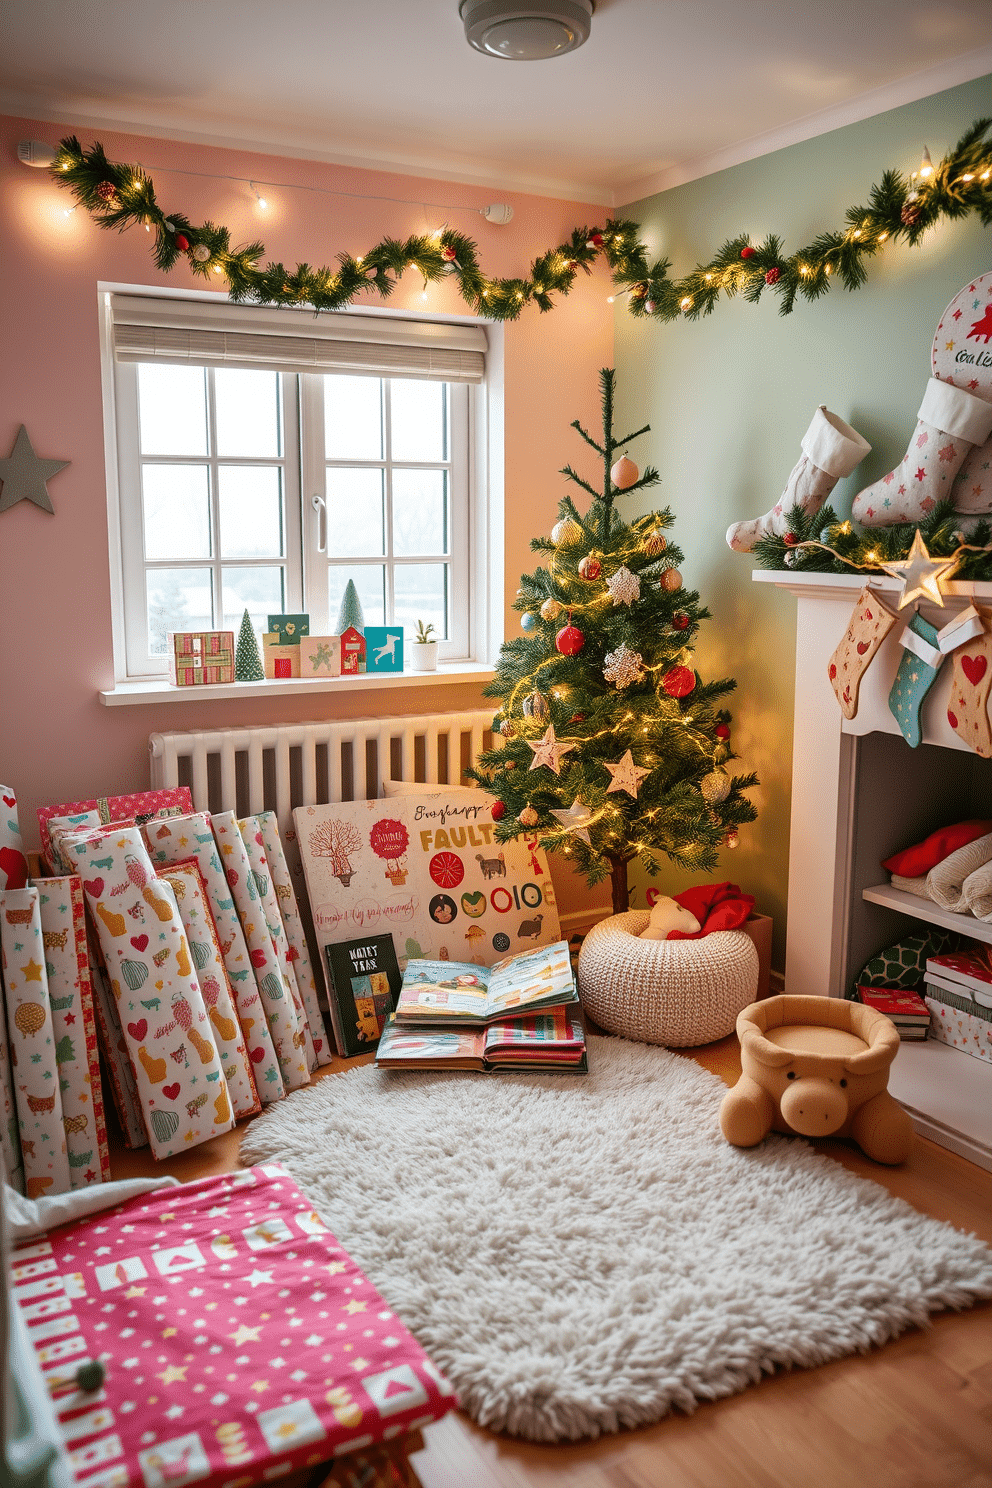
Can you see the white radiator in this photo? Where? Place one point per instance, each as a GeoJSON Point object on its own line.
{"type": "Point", "coordinates": [248, 770]}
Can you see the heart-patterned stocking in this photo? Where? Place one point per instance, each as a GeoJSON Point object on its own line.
{"type": "Point", "coordinates": [967, 709]}
{"type": "Point", "coordinates": [867, 628]}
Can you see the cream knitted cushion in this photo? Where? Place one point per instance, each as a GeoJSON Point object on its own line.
{"type": "Point", "coordinates": [673, 992]}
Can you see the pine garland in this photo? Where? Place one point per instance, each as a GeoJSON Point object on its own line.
{"type": "Point", "coordinates": [120, 196]}
{"type": "Point", "coordinates": [825, 544]}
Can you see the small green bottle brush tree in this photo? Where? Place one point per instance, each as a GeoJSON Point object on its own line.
{"type": "Point", "coordinates": [612, 745]}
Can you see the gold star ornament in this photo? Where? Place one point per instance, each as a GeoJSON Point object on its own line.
{"type": "Point", "coordinates": [25, 475]}
{"type": "Point", "coordinates": [548, 751]}
{"type": "Point", "coordinates": [920, 574]}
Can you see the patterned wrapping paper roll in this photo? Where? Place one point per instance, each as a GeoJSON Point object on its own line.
{"type": "Point", "coordinates": [65, 826]}
{"type": "Point", "coordinates": [187, 884]}
{"type": "Point", "coordinates": [70, 991]}
{"type": "Point", "coordinates": [176, 1066]}
{"type": "Point", "coordinates": [125, 1092]}
{"type": "Point", "coordinates": [10, 1137]}
{"type": "Point", "coordinates": [137, 808]}
{"type": "Point", "coordinates": [296, 935]}
{"type": "Point", "coordinates": [13, 863]}
{"type": "Point", "coordinates": [32, 1045]}
{"type": "Point", "coordinates": [280, 1010]}
{"type": "Point", "coordinates": [174, 841]}
{"type": "Point", "coordinates": [251, 836]}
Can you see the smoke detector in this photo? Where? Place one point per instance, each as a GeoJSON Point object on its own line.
{"type": "Point", "coordinates": [526, 30]}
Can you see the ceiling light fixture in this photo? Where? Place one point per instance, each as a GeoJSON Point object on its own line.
{"type": "Point", "coordinates": [526, 30]}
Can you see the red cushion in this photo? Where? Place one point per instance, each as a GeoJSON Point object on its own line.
{"type": "Point", "coordinates": [914, 862]}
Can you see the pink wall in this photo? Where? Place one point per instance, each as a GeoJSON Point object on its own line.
{"type": "Point", "coordinates": [59, 742]}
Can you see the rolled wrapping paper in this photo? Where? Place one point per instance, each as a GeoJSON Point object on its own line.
{"type": "Point", "coordinates": [186, 882]}
{"type": "Point", "coordinates": [114, 1049]}
{"type": "Point", "coordinates": [70, 991]}
{"type": "Point", "coordinates": [977, 892]}
{"type": "Point", "coordinates": [32, 1045]}
{"type": "Point", "coordinates": [179, 838]}
{"type": "Point", "coordinates": [65, 826]}
{"type": "Point", "coordinates": [280, 1010]}
{"type": "Point", "coordinates": [295, 933]}
{"type": "Point", "coordinates": [945, 882]}
{"type": "Point", "coordinates": [13, 863]}
{"type": "Point", "coordinates": [10, 1137]}
{"type": "Point", "coordinates": [176, 1066]}
{"type": "Point", "coordinates": [251, 836]}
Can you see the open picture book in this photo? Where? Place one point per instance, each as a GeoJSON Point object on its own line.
{"type": "Point", "coordinates": [460, 993]}
{"type": "Point", "coordinates": [553, 1041]}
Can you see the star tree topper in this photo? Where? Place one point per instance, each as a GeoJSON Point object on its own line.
{"type": "Point", "coordinates": [25, 475]}
{"type": "Point", "coordinates": [548, 751]}
{"type": "Point", "coordinates": [626, 775]}
{"type": "Point", "coordinates": [920, 574]}
{"type": "Point", "coordinates": [575, 819]}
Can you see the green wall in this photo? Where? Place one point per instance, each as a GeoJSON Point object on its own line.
{"type": "Point", "coordinates": [730, 397]}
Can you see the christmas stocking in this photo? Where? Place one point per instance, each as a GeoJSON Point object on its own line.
{"type": "Point", "coordinates": [950, 422]}
{"type": "Point", "coordinates": [967, 709]}
{"type": "Point", "coordinates": [869, 624]}
{"type": "Point", "coordinates": [830, 449]}
{"type": "Point", "coordinates": [972, 488]}
{"type": "Point", "coordinates": [921, 661]}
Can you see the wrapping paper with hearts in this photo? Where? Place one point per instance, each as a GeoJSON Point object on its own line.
{"type": "Point", "coordinates": [70, 991]}
{"type": "Point", "coordinates": [13, 863]}
{"type": "Point", "coordinates": [138, 807]}
{"type": "Point", "coordinates": [64, 826]}
{"type": "Point", "coordinates": [10, 1137]}
{"type": "Point", "coordinates": [116, 1059]}
{"type": "Point", "coordinates": [174, 840]}
{"type": "Point", "coordinates": [280, 1010]}
{"type": "Point", "coordinates": [32, 1045]}
{"type": "Point", "coordinates": [296, 935]}
{"type": "Point", "coordinates": [251, 836]}
{"type": "Point", "coordinates": [176, 1066]}
{"type": "Point", "coordinates": [187, 884]}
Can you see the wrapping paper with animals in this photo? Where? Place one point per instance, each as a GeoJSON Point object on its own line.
{"type": "Point", "coordinates": [13, 864]}
{"type": "Point", "coordinates": [174, 840]}
{"type": "Point", "coordinates": [201, 932]}
{"type": "Point", "coordinates": [296, 935]}
{"type": "Point", "coordinates": [138, 807]}
{"type": "Point", "coordinates": [116, 1059]}
{"type": "Point", "coordinates": [251, 836]}
{"type": "Point", "coordinates": [65, 826]}
{"type": "Point", "coordinates": [63, 930]}
{"type": "Point", "coordinates": [176, 1066]}
{"type": "Point", "coordinates": [10, 1137]}
{"type": "Point", "coordinates": [32, 1046]}
{"type": "Point", "coordinates": [426, 869]}
{"type": "Point", "coordinates": [280, 1010]}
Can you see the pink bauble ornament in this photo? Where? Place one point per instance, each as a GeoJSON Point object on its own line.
{"type": "Point", "coordinates": [590, 568]}
{"type": "Point", "coordinates": [679, 682]}
{"type": "Point", "coordinates": [650, 307]}
{"type": "Point", "coordinates": [570, 640]}
{"type": "Point", "coordinates": [671, 580]}
{"type": "Point", "coordinates": [624, 473]}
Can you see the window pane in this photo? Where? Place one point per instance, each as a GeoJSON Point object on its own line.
{"type": "Point", "coordinates": [418, 420]}
{"type": "Point", "coordinates": [420, 512]}
{"type": "Point", "coordinates": [353, 418]}
{"type": "Point", "coordinates": [355, 513]}
{"type": "Point", "coordinates": [258, 590]}
{"type": "Point", "coordinates": [370, 581]}
{"type": "Point", "coordinates": [172, 410]}
{"type": "Point", "coordinates": [421, 593]}
{"type": "Point", "coordinates": [178, 599]}
{"type": "Point", "coordinates": [176, 510]}
{"type": "Point", "coordinates": [247, 406]}
{"type": "Point", "coordinates": [251, 511]}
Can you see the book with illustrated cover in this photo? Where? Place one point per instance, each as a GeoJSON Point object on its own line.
{"type": "Point", "coordinates": [548, 1043]}
{"type": "Point", "coordinates": [364, 982]}
{"type": "Point", "coordinates": [897, 1003]}
{"type": "Point", "coordinates": [459, 993]}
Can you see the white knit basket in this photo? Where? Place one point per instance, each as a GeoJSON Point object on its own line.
{"type": "Point", "coordinates": [679, 993]}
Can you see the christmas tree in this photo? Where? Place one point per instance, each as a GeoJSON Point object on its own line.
{"type": "Point", "coordinates": [614, 747]}
{"type": "Point", "coordinates": [247, 662]}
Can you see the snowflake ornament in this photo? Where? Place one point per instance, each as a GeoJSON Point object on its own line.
{"type": "Point", "coordinates": [623, 666]}
{"type": "Point", "coordinates": [624, 587]}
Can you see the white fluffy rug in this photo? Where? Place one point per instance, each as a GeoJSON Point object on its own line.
{"type": "Point", "coordinates": [580, 1255]}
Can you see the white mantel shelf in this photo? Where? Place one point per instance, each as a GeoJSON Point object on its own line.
{"type": "Point", "coordinates": [827, 585]}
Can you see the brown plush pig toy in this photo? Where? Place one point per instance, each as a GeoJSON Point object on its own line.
{"type": "Point", "coordinates": [817, 1066]}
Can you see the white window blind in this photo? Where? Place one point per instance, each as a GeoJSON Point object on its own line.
{"type": "Point", "coordinates": [181, 332]}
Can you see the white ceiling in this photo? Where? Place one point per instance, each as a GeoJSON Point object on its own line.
{"type": "Point", "coordinates": [661, 92]}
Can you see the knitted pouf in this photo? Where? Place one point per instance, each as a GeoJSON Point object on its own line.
{"type": "Point", "coordinates": [673, 992]}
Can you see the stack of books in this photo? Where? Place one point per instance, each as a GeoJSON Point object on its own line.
{"type": "Point", "coordinates": [906, 1008]}
{"type": "Point", "coordinates": [521, 1014]}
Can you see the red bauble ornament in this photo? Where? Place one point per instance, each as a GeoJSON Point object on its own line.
{"type": "Point", "coordinates": [679, 682]}
{"type": "Point", "coordinates": [590, 568]}
{"type": "Point", "coordinates": [497, 811]}
{"type": "Point", "coordinates": [577, 718]}
{"type": "Point", "coordinates": [570, 640]}
{"type": "Point", "coordinates": [650, 307]}
{"type": "Point", "coordinates": [106, 191]}
{"type": "Point", "coordinates": [449, 255]}
{"type": "Point", "coordinates": [596, 241]}
{"type": "Point", "coordinates": [680, 620]}
{"type": "Point", "coordinates": [773, 276]}
{"type": "Point", "coordinates": [722, 731]}
{"type": "Point", "coordinates": [790, 539]}
{"type": "Point", "coordinates": [182, 242]}
{"type": "Point", "coordinates": [748, 252]}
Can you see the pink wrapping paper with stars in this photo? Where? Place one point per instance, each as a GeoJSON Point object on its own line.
{"type": "Point", "coordinates": [239, 1340]}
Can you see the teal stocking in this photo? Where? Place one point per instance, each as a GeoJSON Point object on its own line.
{"type": "Point", "coordinates": [917, 671]}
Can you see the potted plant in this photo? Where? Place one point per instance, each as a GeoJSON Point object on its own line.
{"type": "Point", "coordinates": [423, 652]}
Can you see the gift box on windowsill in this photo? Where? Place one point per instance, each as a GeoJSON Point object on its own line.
{"type": "Point", "coordinates": [199, 657]}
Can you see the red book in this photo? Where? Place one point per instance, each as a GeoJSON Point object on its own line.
{"type": "Point", "coordinates": [897, 1003]}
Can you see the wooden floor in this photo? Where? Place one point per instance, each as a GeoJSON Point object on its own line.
{"type": "Point", "coordinates": [914, 1414]}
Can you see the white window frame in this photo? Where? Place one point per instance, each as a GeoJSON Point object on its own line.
{"type": "Point", "coordinates": [475, 493]}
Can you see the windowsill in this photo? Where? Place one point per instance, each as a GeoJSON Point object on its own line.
{"type": "Point", "coordinates": [159, 690]}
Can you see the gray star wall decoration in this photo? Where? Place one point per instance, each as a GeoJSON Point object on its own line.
{"type": "Point", "coordinates": [25, 475]}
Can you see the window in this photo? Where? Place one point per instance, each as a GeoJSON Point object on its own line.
{"type": "Point", "coordinates": [262, 467]}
